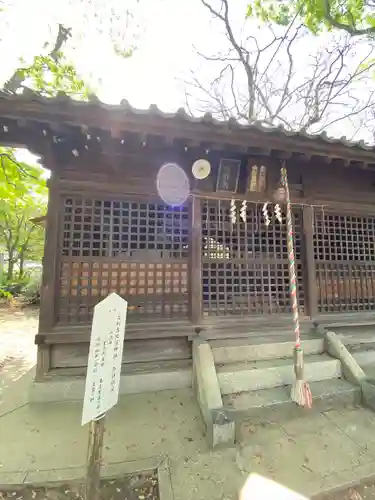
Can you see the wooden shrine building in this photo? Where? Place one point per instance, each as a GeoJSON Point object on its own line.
{"type": "Point", "coordinates": [126, 215]}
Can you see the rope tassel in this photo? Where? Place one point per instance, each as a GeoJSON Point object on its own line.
{"type": "Point", "coordinates": [300, 393]}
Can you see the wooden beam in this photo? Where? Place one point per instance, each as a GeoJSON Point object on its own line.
{"type": "Point", "coordinates": [195, 261]}
{"type": "Point", "coordinates": [116, 133]}
{"type": "Point", "coordinates": [50, 280]}
{"type": "Point", "coordinates": [304, 158]}
{"type": "Point", "coordinates": [327, 159]}
{"type": "Point", "coordinates": [50, 260]}
{"type": "Point", "coordinates": [309, 261]}
{"type": "Point", "coordinates": [280, 153]}
{"type": "Point", "coordinates": [259, 151]}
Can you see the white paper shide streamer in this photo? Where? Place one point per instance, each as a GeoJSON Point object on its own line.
{"type": "Point", "coordinates": [243, 211]}
{"type": "Point", "coordinates": [266, 217]}
{"type": "Point", "coordinates": [232, 212]}
{"type": "Point", "coordinates": [278, 214]}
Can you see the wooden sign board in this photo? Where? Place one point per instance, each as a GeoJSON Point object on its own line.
{"type": "Point", "coordinates": [258, 487]}
{"type": "Point", "coordinates": [105, 357]}
{"type": "Point", "coordinates": [227, 178]}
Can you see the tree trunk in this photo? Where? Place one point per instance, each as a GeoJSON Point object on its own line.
{"type": "Point", "coordinates": [21, 265]}
{"type": "Point", "coordinates": [10, 268]}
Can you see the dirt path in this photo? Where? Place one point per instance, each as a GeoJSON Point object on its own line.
{"type": "Point", "coordinates": [17, 332]}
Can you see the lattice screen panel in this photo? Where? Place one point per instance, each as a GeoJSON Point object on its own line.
{"type": "Point", "coordinates": [138, 250]}
{"type": "Point", "coordinates": [344, 248]}
{"type": "Point", "coordinates": [245, 265]}
{"type": "Point", "coordinates": [103, 228]}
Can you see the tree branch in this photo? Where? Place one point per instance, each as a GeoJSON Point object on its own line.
{"type": "Point", "coordinates": [249, 74]}
{"type": "Point", "coordinates": [18, 165]}
{"type": "Point", "coordinates": [351, 29]}
{"type": "Point", "coordinates": [15, 81]}
{"type": "Point", "coordinates": [299, 95]}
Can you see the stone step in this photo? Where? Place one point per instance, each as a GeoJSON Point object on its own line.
{"type": "Point", "coordinates": [274, 404]}
{"type": "Point", "coordinates": [365, 357]}
{"type": "Point", "coordinates": [266, 374]}
{"type": "Point", "coordinates": [240, 349]}
{"type": "Point", "coordinates": [136, 378]}
{"type": "Point", "coordinates": [364, 354]}
{"type": "Point", "coordinates": [278, 329]}
{"type": "Point", "coordinates": [356, 338]}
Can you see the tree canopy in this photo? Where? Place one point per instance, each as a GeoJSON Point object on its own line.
{"type": "Point", "coordinates": [356, 17]}
{"type": "Point", "coordinates": [49, 73]}
{"type": "Point", "coordinates": [23, 196]}
{"type": "Point", "coordinates": [53, 68]}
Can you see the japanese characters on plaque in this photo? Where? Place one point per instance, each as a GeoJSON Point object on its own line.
{"type": "Point", "coordinates": [105, 357]}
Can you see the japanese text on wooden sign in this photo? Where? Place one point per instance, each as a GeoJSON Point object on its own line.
{"type": "Point", "coordinates": [105, 357]}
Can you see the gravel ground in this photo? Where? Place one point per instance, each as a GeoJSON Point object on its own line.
{"type": "Point", "coordinates": [134, 487]}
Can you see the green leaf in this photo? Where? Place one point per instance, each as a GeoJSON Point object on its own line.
{"type": "Point", "coordinates": [352, 15]}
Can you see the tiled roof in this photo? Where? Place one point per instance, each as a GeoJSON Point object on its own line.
{"type": "Point", "coordinates": [62, 105]}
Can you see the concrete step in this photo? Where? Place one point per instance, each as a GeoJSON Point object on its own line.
{"type": "Point", "coordinates": [364, 354]}
{"type": "Point", "coordinates": [275, 404]}
{"type": "Point", "coordinates": [241, 349]}
{"type": "Point", "coordinates": [266, 374]}
{"type": "Point", "coordinates": [271, 327]}
{"type": "Point", "coordinates": [365, 358]}
{"type": "Point", "coordinates": [357, 337]}
{"type": "Point", "coordinates": [136, 378]}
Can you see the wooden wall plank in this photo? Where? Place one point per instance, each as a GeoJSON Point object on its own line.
{"type": "Point", "coordinates": [321, 183]}
{"type": "Point", "coordinates": [50, 279]}
{"type": "Point", "coordinates": [135, 351]}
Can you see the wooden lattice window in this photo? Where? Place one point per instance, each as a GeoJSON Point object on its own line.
{"type": "Point", "coordinates": [138, 250]}
{"type": "Point", "coordinates": [245, 265]}
{"type": "Point", "coordinates": [344, 248]}
{"type": "Point", "coordinates": [103, 228]}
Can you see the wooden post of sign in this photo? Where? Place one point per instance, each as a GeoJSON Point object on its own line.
{"type": "Point", "coordinates": [94, 459]}
{"type": "Point", "coordinates": [102, 381]}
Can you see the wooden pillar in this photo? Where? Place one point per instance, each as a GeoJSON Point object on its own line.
{"type": "Point", "coordinates": [195, 262]}
{"type": "Point", "coordinates": [50, 279]}
{"type": "Point", "coordinates": [309, 260]}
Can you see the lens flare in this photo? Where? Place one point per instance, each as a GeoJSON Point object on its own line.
{"type": "Point", "coordinates": [172, 184]}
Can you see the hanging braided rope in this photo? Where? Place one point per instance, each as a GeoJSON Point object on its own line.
{"type": "Point", "coordinates": [300, 393]}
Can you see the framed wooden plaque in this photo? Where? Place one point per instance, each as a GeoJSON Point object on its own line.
{"type": "Point", "coordinates": [256, 178]}
{"type": "Point", "coordinates": [227, 177]}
